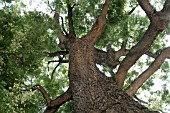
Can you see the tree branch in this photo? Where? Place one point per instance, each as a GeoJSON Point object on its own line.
{"type": "Point", "coordinates": [166, 7]}
{"type": "Point", "coordinates": [152, 54]}
{"type": "Point", "coordinates": [43, 92]}
{"type": "Point", "coordinates": [137, 83]}
{"type": "Point", "coordinates": [62, 21]}
{"type": "Point", "coordinates": [99, 25]}
{"type": "Point", "coordinates": [166, 10]}
{"type": "Point", "coordinates": [131, 11]}
{"type": "Point", "coordinates": [139, 100]}
{"type": "Point", "coordinates": [60, 61]}
{"type": "Point", "coordinates": [105, 58]}
{"type": "Point", "coordinates": [61, 36]}
{"type": "Point", "coordinates": [50, 6]}
{"type": "Point", "coordinates": [147, 7]}
{"type": "Point", "coordinates": [53, 105]}
{"type": "Point", "coordinates": [122, 51]}
{"type": "Point", "coordinates": [157, 25]}
{"type": "Point", "coordinates": [58, 53]}
{"type": "Point", "coordinates": [70, 21]}
{"type": "Point", "coordinates": [63, 61]}
{"type": "Point", "coordinates": [110, 58]}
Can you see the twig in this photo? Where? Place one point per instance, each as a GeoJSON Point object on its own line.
{"type": "Point", "coordinates": [141, 101]}
{"type": "Point", "coordinates": [62, 22]}
{"type": "Point", "coordinates": [60, 60]}
{"type": "Point", "coordinates": [131, 11]}
{"type": "Point", "coordinates": [52, 10]}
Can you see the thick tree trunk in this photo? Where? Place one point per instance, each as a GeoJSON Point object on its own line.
{"type": "Point", "coordinates": [92, 91]}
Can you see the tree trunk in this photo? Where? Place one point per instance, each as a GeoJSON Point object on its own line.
{"type": "Point", "coordinates": [92, 91]}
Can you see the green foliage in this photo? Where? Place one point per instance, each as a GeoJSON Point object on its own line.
{"type": "Point", "coordinates": [8, 1]}
{"type": "Point", "coordinates": [22, 45]}
{"type": "Point", "coordinates": [23, 39]}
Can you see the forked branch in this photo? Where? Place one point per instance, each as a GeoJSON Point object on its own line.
{"type": "Point", "coordinates": [59, 62]}
{"type": "Point", "coordinates": [156, 26]}
{"type": "Point", "coordinates": [61, 36]}
{"type": "Point", "coordinates": [62, 23]}
{"type": "Point", "coordinates": [137, 83]}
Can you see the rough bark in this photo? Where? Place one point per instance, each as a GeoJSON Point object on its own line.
{"type": "Point", "coordinates": [92, 91]}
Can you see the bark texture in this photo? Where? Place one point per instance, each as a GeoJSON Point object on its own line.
{"type": "Point", "coordinates": [92, 91]}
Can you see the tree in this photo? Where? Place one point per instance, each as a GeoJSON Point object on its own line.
{"type": "Point", "coordinates": [90, 90]}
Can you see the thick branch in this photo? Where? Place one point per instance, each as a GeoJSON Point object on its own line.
{"type": "Point", "coordinates": [158, 24]}
{"type": "Point", "coordinates": [166, 7]}
{"type": "Point", "coordinates": [62, 98]}
{"type": "Point", "coordinates": [139, 49]}
{"type": "Point", "coordinates": [134, 54]}
{"type": "Point", "coordinates": [166, 10]}
{"type": "Point", "coordinates": [105, 58]}
{"type": "Point", "coordinates": [99, 25]}
{"type": "Point", "coordinates": [70, 20]}
{"type": "Point", "coordinates": [131, 90]}
{"type": "Point", "coordinates": [110, 58]}
{"type": "Point", "coordinates": [53, 105]}
{"type": "Point", "coordinates": [147, 7]}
